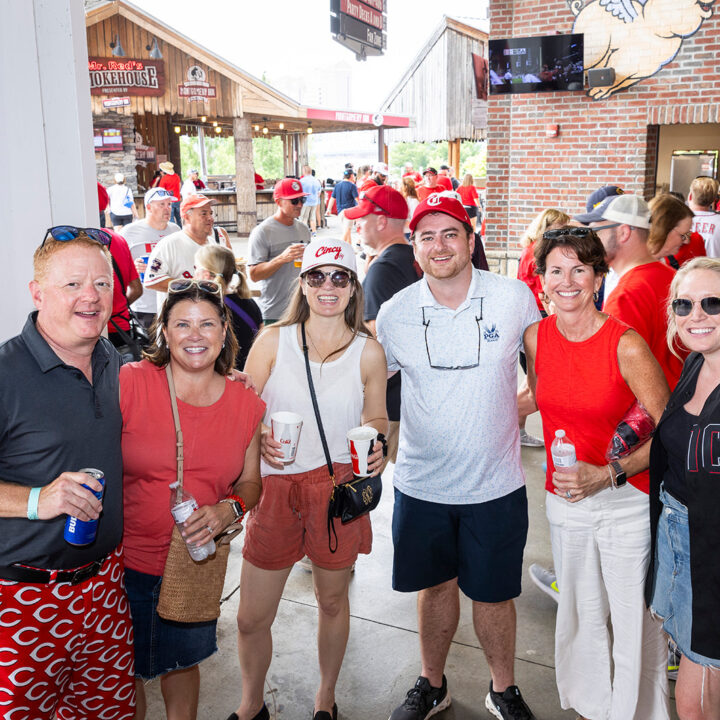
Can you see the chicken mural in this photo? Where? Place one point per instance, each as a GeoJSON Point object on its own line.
{"type": "Point", "coordinates": [635, 37]}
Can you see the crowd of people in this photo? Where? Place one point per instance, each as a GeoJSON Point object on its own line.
{"type": "Point", "coordinates": [609, 314]}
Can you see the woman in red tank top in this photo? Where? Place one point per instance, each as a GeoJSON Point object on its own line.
{"type": "Point", "coordinates": [586, 369]}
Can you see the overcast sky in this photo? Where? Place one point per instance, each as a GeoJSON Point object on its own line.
{"type": "Point", "coordinates": [280, 37]}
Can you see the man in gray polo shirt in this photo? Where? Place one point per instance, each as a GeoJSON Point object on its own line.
{"type": "Point", "coordinates": [64, 618]}
{"type": "Point", "coordinates": [460, 519]}
{"type": "Point", "coordinates": [275, 244]}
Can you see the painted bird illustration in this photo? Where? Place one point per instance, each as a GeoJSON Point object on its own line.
{"type": "Point", "coordinates": [635, 37]}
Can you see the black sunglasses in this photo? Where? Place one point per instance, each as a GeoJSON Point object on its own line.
{"type": "Point", "coordinates": [65, 233]}
{"type": "Point", "coordinates": [580, 232]}
{"type": "Point", "coordinates": [208, 286]}
{"type": "Point", "coordinates": [683, 307]}
{"type": "Point", "coordinates": [298, 201]}
{"type": "Point", "coordinates": [316, 278]}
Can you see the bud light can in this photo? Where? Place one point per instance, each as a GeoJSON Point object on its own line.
{"type": "Point", "coordinates": [82, 532]}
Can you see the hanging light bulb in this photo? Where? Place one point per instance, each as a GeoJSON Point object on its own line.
{"type": "Point", "coordinates": [265, 130]}
{"type": "Point", "coordinates": [281, 126]}
{"type": "Point", "coordinates": [256, 128]}
{"type": "Point", "coordinates": [177, 129]}
{"type": "Point", "coordinates": [309, 130]}
{"type": "Point", "coordinates": [218, 130]}
{"type": "Point", "coordinates": [203, 118]}
{"type": "Point", "coordinates": [214, 123]}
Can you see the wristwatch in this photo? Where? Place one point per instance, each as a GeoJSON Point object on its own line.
{"type": "Point", "coordinates": [238, 507]}
{"type": "Point", "coordinates": [620, 476]}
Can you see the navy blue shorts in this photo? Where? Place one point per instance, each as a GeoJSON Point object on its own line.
{"type": "Point", "coordinates": [162, 645]}
{"type": "Point", "coordinates": [480, 544]}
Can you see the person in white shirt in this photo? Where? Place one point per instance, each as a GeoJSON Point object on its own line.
{"type": "Point", "coordinates": [122, 203]}
{"type": "Point", "coordinates": [701, 200]}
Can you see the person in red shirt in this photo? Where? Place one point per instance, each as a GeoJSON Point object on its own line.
{"type": "Point", "coordinates": [380, 172]}
{"type": "Point", "coordinates": [259, 181]}
{"type": "Point", "coordinates": [469, 194]}
{"type": "Point", "coordinates": [103, 202]}
{"type": "Point", "coordinates": [430, 176]}
{"type": "Point", "coordinates": [414, 174]}
{"type": "Point", "coordinates": [127, 287]}
{"type": "Point", "coordinates": [640, 298]}
{"type": "Point", "coordinates": [444, 179]}
{"type": "Point", "coordinates": [170, 181]}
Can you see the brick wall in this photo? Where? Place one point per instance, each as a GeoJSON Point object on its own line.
{"type": "Point", "coordinates": [612, 141]}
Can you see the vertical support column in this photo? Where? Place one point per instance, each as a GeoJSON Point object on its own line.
{"type": "Point", "coordinates": [288, 149]}
{"type": "Point", "coordinates": [244, 177]}
{"type": "Point", "coordinates": [454, 155]}
{"type": "Point", "coordinates": [381, 144]}
{"type": "Point", "coordinates": [303, 157]}
{"type": "Point", "coordinates": [201, 152]}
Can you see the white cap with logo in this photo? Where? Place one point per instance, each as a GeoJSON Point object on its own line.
{"type": "Point", "coordinates": [328, 252]}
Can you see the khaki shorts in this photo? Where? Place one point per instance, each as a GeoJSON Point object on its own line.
{"type": "Point", "coordinates": [290, 521]}
{"type": "Point", "coordinates": [308, 211]}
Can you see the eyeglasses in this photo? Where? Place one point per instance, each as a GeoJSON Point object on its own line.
{"type": "Point", "coordinates": [444, 355]}
{"type": "Point", "coordinates": [580, 232]}
{"type": "Point", "coordinates": [606, 227]}
{"type": "Point", "coordinates": [158, 194]}
{"type": "Point", "coordinates": [207, 286]}
{"type": "Point", "coordinates": [685, 236]}
{"type": "Point", "coordinates": [298, 201]}
{"type": "Point", "coordinates": [65, 233]}
{"type": "Point", "coordinates": [316, 278]}
{"type": "Point", "coordinates": [683, 306]}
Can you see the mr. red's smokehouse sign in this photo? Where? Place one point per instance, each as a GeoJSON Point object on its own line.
{"type": "Point", "coordinates": [125, 76]}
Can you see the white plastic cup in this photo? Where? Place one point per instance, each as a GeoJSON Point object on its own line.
{"type": "Point", "coordinates": [286, 430]}
{"type": "Point", "coordinates": [360, 441]}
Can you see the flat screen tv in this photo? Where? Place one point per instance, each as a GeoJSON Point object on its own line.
{"type": "Point", "coordinates": [536, 64]}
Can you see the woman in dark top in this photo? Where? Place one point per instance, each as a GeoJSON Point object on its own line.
{"type": "Point", "coordinates": [683, 584]}
{"type": "Point", "coordinates": [215, 262]}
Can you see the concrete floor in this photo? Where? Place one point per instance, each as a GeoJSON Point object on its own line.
{"type": "Point", "coordinates": [382, 659]}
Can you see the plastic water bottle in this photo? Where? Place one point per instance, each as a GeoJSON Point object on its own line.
{"type": "Point", "coordinates": [182, 506]}
{"type": "Point", "coordinates": [563, 452]}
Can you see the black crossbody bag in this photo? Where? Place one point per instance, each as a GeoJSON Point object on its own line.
{"type": "Point", "coordinates": [348, 500]}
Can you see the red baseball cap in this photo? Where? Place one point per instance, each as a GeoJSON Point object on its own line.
{"type": "Point", "coordinates": [380, 200]}
{"type": "Point", "coordinates": [287, 189]}
{"type": "Point", "coordinates": [195, 200]}
{"type": "Point", "coordinates": [439, 204]}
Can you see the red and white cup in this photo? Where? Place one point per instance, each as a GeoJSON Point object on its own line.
{"type": "Point", "coordinates": [361, 441]}
{"type": "Point", "coordinates": [286, 430]}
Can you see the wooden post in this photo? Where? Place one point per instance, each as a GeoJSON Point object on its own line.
{"type": "Point", "coordinates": [244, 176]}
{"type": "Point", "coordinates": [454, 156]}
{"type": "Point", "coordinates": [201, 148]}
{"type": "Point", "coordinates": [302, 155]}
{"type": "Point", "coordinates": [288, 148]}
{"type": "Point", "coordinates": [381, 144]}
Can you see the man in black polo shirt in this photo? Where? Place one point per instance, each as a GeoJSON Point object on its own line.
{"type": "Point", "coordinates": [381, 217]}
{"type": "Point", "coordinates": [65, 628]}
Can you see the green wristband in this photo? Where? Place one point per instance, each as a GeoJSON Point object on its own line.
{"type": "Point", "coordinates": [32, 507]}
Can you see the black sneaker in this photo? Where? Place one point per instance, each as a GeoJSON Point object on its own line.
{"type": "Point", "coordinates": [508, 705]}
{"type": "Point", "coordinates": [423, 701]}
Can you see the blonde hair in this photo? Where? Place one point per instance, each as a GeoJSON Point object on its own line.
{"type": "Point", "coordinates": [666, 211]}
{"type": "Point", "coordinates": [698, 263]}
{"type": "Point", "coordinates": [220, 261]}
{"type": "Point", "coordinates": [44, 254]}
{"type": "Point", "coordinates": [704, 190]}
{"type": "Point", "coordinates": [541, 223]}
{"type": "Point", "coordinates": [468, 180]}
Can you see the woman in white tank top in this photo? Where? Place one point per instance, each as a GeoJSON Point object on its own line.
{"type": "Point", "coordinates": [349, 374]}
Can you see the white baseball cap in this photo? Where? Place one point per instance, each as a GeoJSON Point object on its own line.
{"type": "Point", "coordinates": [629, 210]}
{"type": "Point", "coordinates": [381, 168]}
{"type": "Point", "coordinates": [328, 252]}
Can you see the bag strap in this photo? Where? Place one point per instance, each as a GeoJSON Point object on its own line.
{"type": "Point", "coordinates": [330, 522]}
{"type": "Point", "coordinates": [178, 430]}
{"type": "Point", "coordinates": [241, 313]}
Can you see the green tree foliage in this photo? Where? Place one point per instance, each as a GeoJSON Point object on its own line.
{"type": "Point", "coordinates": [220, 155]}
{"type": "Point", "coordinates": [472, 157]}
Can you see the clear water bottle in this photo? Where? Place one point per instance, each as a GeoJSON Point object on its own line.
{"type": "Point", "coordinates": [182, 506]}
{"type": "Point", "coordinates": [563, 452]}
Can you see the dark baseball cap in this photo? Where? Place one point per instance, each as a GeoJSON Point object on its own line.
{"type": "Point", "coordinates": [597, 202]}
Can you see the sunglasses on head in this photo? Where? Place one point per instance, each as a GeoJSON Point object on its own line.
{"type": "Point", "coordinates": [298, 201]}
{"type": "Point", "coordinates": [316, 278]}
{"type": "Point", "coordinates": [683, 306]}
{"type": "Point", "coordinates": [580, 232]}
{"type": "Point", "coordinates": [207, 286]}
{"type": "Point", "coordinates": [65, 233]}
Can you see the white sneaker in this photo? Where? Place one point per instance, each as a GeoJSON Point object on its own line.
{"type": "Point", "coordinates": [529, 440]}
{"type": "Point", "coordinates": [545, 580]}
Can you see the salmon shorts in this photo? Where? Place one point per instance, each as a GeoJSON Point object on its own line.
{"type": "Point", "coordinates": [291, 521]}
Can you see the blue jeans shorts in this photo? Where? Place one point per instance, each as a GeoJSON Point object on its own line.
{"type": "Point", "coordinates": [162, 645]}
{"type": "Point", "coordinates": [672, 595]}
{"type": "Point", "coordinates": [480, 544]}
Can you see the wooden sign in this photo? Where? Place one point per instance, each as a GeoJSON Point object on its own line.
{"type": "Point", "coordinates": [126, 76]}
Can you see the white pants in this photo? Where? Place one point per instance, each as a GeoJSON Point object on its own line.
{"type": "Point", "coordinates": [610, 655]}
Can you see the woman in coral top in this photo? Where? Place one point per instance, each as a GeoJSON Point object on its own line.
{"type": "Point", "coordinates": [220, 421]}
{"type": "Point", "coordinates": [586, 370]}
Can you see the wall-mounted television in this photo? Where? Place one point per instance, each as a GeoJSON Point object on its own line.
{"type": "Point", "coordinates": [536, 64]}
